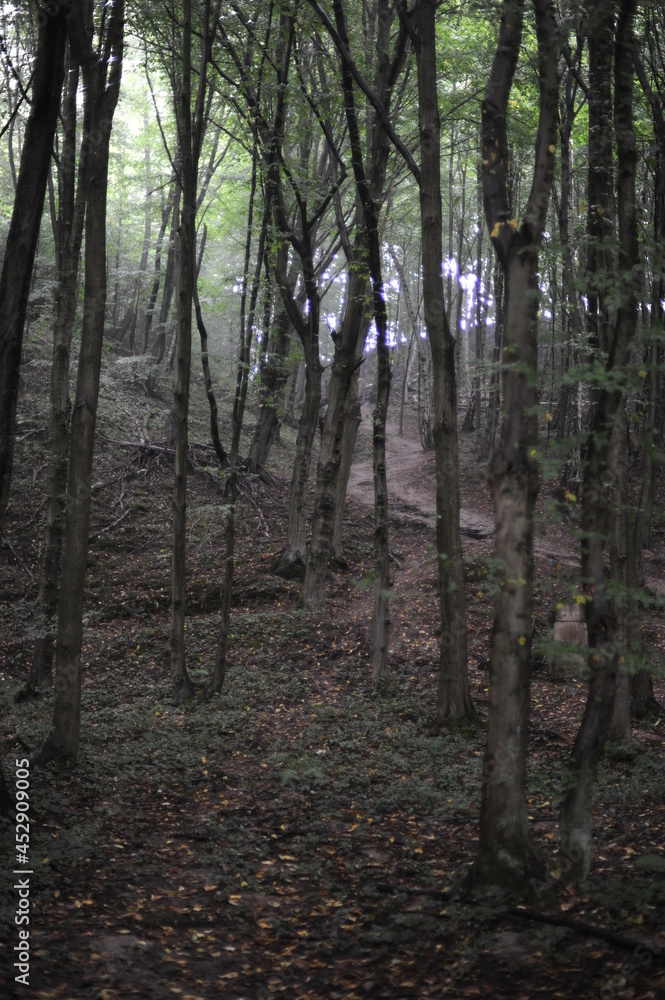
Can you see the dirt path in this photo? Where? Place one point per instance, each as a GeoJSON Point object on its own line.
{"type": "Point", "coordinates": [412, 489]}
{"type": "Point", "coordinates": [411, 482]}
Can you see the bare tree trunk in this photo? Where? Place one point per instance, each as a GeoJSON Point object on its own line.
{"type": "Point", "coordinates": [167, 210]}
{"type": "Point", "coordinates": [454, 698]}
{"type": "Point", "coordinates": [614, 334]}
{"type": "Point", "coordinates": [505, 851]}
{"type": "Point", "coordinates": [102, 88]}
{"type": "Point", "coordinates": [239, 400]}
{"type": "Point", "coordinates": [191, 129]}
{"type": "Point", "coordinates": [345, 365]}
{"type": "Point", "coordinates": [351, 422]}
{"type": "Point", "coordinates": [274, 375]}
{"type": "Point", "coordinates": [159, 346]}
{"type": "Point", "coordinates": [494, 396]}
{"type": "Point", "coordinates": [367, 184]}
{"type": "Point", "coordinates": [24, 229]}
{"type": "Point", "coordinates": [72, 213]}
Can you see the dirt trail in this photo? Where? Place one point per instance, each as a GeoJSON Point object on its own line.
{"type": "Point", "coordinates": [412, 492]}
{"type": "Point", "coordinates": [411, 483]}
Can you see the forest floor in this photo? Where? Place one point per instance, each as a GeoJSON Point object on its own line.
{"type": "Point", "coordinates": [297, 836]}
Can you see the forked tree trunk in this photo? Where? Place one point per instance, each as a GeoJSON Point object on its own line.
{"type": "Point", "coordinates": [382, 583]}
{"type": "Point", "coordinates": [24, 229]}
{"type": "Point", "coordinates": [367, 185]}
{"type": "Point", "coordinates": [345, 366]}
{"type": "Point", "coordinates": [623, 574]}
{"type": "Point", "coordinates": [102, 88]}
{"type": "Point", "coordinates": [506, 856]}
{"type": "Point", "coordinates": [274, 365]}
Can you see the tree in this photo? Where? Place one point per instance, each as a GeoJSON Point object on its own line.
{"type": "Point", "coordinates": [454, 699]}
{"type": "Point", "coordinates": [191, 124]}
{"type": "Point", "coordinates": [504, 849]}
{"type": "Point", "coordinates": [350, 337]}
{"type": "Point", "coordinates": [70, 219]}
{"type": "Point", "coordinates": [24, 227]}
{"type": "Point", "coordinates": [613, 313]}
{"type": "Point", "coordinates": [102, 72]}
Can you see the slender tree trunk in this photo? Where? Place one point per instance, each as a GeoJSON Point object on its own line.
{"type": "Point", "coordinates": [72, 212]}
{"type": "Point", "coordinates": [182, 685]}
{"type": "Point", "coordinates": [454, 698]}
{"type": "Point", "coordinates": [167, 210]}
{"type": "Point", "coordinates": [240, 398]}
{"type": "Point", "coordinates": [505, 852]}
{"type": "Point", "coordinates": [205, 364]}
{"type": "Point", "coordinates": [274, 374]}
{"type": "Point", "coordinates": [102, 88]}
{"type": "Point", "coordinates": [367, 184]}
{"type": "Point", "coordinates": [24, 229]}
{"type": "Point", "coordinates": [615, 332]}
{"type": "Point", "coordinates": [494, 390]}
{"type": "Point", "coordinates": [159, 346]}
{"type": "Point", "coordinates": [191, 128]}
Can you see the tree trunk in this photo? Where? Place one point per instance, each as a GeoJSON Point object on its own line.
{"type": "Point", "coordinates": [293, 559]}
{"type": "Point", "coordinates": [454, 698]}
{"type": "Point", "coordinates": [167, 210]}
{"type": "Point", "coordinates": [24, 229]}
{"type": "Point", "coordinates": [159, 346]}
{"type": "Point", "coordinates": [505, 852]}
{"type": "Point", "coordinates": [239, 400]}
{"type": "Point", "coordinates": [351, 421]}
{"type": "Point", "coordinates": [222, 457]}
{"type": "Point", "coordinates": [345, 364]}
{"type": "Point", "coordinates": [274, 376]}
{"type": "Point", "coordinates": [102, 88]}
{"type": "Point", "coordinates": [70, 225]}
{"type": "Point", "coordinates": [494, 395]}
{"type": "Point", "coordinates": [614, 332]}
{"type": "Point", "coordinates": [191, 128]}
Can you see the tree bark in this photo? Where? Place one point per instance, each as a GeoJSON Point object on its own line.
{"type": "Point", "coordinates": [614, 332]}
{"type": "Point", "coordinates": [24, 229]}
{"type": "Point", "coordinates": [505, 851]}
{"type": "Point", "coordinates": [191, 129]}
{"type": "Point", "coordinates": [454, 698]}
{"type": "Point", "coordinates": [346, 362]}
{"type": "Point", "coordinates": [70, 226]}
{"type": "Point", "coordinates": [102, 87]}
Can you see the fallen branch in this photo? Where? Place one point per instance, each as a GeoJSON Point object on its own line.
{"type": "Point", "coordinates": [558, 920]}
{"type": "Point", "coordinates": [109, 527]}
{"type": "Point", "coordinates": [17, 557]}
